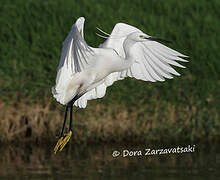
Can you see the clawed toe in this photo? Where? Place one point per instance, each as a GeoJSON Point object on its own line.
{"type": "Point", "coordinates": [62, 142]}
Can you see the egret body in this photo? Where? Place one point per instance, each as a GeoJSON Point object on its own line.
{"type": "Point", "coordinates": [85, 72]}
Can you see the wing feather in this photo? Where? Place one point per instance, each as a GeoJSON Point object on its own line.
{"type": "Point", "coordinates": [75, 57]}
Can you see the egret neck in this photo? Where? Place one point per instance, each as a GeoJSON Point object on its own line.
{"type": "Point", "coordinates": [129, 59]}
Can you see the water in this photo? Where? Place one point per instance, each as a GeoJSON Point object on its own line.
{"type": "Point", "coordinates": [96, 162]}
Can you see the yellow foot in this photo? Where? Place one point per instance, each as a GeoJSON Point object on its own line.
{"type": "Point", "coordinates": [59, 142]}
{"type": "Point", "coordinates": [65, 140]}
{"type": "Point", "coordinates": [62, 142]}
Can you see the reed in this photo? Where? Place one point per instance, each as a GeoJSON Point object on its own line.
{"type": "Point", "coordinates": [34, 121]}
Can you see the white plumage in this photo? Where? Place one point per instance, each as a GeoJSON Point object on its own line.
{"type": "Point", "coordinates": [85, 72]}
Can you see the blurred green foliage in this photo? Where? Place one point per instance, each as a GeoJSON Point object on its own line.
{"type": "Point", "coordinates": [31, 35]}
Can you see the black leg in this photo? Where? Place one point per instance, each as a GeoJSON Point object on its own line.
{"type": "Point", "coordinates": [65, 139]}
{"type": "Point", "coordinates": [71, 113]}
{"type": "Point", "coordinates": [64, 122]}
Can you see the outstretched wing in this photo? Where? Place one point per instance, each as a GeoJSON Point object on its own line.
{"type": "Point", "coordinates": [152, 63]}
{"type": "Point", "coordinates": [75, 57]}
{"type": "Point", "coordinates": [153, 60]}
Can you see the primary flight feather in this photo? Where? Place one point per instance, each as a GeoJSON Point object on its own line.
{"type": "Point", "coordinates": [85, 72]}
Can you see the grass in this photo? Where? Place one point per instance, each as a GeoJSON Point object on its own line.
{"type": "Point", "coordinates": [186, 107]}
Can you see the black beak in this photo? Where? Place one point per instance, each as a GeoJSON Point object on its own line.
{"type": "Point", "coordinates": [158, 39]}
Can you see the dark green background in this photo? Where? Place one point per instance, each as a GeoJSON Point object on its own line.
{"type": "Point", "coordinates": [31, 34]}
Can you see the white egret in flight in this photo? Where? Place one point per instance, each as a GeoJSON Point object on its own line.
{"type": "Point", "coordinates": [85, 72]}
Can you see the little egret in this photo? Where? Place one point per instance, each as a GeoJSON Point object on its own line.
{"type": "Point", "coordinates": [85, 72]}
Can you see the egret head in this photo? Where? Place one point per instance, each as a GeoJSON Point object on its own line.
{"type": "Point", "coordinates": [140, 37]}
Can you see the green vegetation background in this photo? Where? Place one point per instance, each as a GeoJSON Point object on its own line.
{"type": "Point", "coordinates": [31, 35]}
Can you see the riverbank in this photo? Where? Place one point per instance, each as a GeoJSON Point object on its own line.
{"type": "Point", "coordinates": [162, 121]}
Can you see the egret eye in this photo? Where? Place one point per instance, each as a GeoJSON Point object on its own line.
{"type": "Point", "coordinates": [141, 36]}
